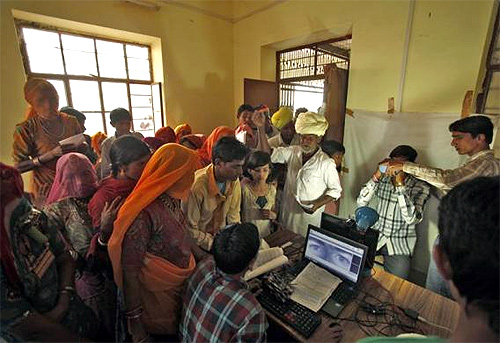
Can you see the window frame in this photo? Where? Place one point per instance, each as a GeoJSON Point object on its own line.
{"type": "Point", "coordinates": [65, 78]}
{"type": "Point", "coordinates": [482, 96]}
{"type": "Point", "coordinates": [286, 86]}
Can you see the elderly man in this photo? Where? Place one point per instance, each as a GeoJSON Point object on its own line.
{"type": "Point", "coordinates": [312, 179]}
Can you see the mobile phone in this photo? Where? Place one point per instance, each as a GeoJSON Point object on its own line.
{"type": "Point", "coordinates": [382, 168]}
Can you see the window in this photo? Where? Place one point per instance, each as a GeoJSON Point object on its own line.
{"type": "Point", "coordinates": [94, 76]}
{"type": "Point", "coordinates": [301, 71]}
{"type": "Point", "coordinates": [488, 100]}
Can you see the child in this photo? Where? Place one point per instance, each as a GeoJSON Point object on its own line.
{"type": "Point", "coordinates": [258, 195]}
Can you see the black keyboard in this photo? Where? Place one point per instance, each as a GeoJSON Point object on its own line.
{"type": "Point", "coordinates": [343, 293]}
{"type": "Point", "coordinates": [297, 316]}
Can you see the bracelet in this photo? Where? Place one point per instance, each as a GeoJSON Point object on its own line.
{"type": "Point", "coordinates": [399, 184]}
{"type": "Point", "coordinates": [138, 310]}
{"type": "Point", "coordinates": [136, 316]}
{"type": "Point", "coordinates": [374, 179]}
{"type": "Point", "coordinates": [100, 241]}
{"type": "Point", "coordinates": [36, 161]}
{"type": "Point", "coordinates": [67, 289]}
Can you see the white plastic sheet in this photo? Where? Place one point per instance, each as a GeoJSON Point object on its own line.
{"type": "Point", "coordinates": [370, 136]}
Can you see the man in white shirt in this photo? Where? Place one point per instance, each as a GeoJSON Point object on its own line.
{"type": "Point", "coordinates": [312, 179]}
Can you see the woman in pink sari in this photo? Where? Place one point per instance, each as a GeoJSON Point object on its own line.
{"type": "Point", "coordinates": [74, 184]}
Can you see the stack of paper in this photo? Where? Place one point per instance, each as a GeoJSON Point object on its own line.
{"type": "Point", "coordinates": [313, 286]}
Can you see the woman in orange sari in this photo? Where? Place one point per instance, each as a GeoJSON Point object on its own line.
{"type": "Point", "coordinates": [36, 140]}
{"type": "Point", "coordinates": [150, 248]}
{"type": "Point", "coordinates": [205, 152]}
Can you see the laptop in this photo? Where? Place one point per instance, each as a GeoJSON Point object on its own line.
{"type": "Point", "coordinates": [348, 229]}
{"type": "Point", "coordinates": [340, 256]}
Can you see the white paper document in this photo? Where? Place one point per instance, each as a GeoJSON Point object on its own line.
{"type": "Point", "coordinates": [75, 140]}
{"type": "Point", "coordinates": [267, 260]}
{"type": "Point", "coordinates": [313, 286]}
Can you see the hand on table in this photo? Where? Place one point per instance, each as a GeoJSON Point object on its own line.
{"type": "Point", "coordinates": [328, 331]}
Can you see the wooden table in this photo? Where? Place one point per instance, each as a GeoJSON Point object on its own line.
{"type": "Point", "coordinates": [384, 287]}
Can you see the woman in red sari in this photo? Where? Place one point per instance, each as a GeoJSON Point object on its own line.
{"type": "Point", "coordinates": [193, 141]}
{"type": "Point", "coordinates": [166, 134]}
{"type": "Point", "coordinates": [129, 156]}
{"type": "Point", "coordinates": [150, 248]}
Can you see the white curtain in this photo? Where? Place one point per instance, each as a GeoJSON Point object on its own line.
{"type": "Point", "coordinates": [370, 136]}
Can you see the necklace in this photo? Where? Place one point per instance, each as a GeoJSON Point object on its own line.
{"type": "Point", "coordinates": [46, 129]}
{"type": "Point", "coordinates": [174, 205]}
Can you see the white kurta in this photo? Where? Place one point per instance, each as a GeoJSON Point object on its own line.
{"type": "Point", "coordinates": [317, 177]}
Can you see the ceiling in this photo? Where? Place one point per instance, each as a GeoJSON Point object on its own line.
{"type": "Point", "coordinates": [228, 10]}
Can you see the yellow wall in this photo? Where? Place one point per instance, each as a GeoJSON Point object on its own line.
{"type": "Point", "coordinates": [205, 59]}
{"type": "Point", "coordinates": [444, 54]}
{"type": "Point", "coordinates": [196, 50]}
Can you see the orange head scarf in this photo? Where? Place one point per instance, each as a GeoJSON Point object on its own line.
{"type": "Point", "coordinates": [97, 139]}
{"type": "Point", "coordinates": [182, 130]}
{"type": "Point", "coordinates": [205, 152]}
{"type": "Point", "coordinates": [166, 134]}
{"type": "Point", "coordinates": [171, 170]}
{"type": "Point", "coordinates": [34, 87]}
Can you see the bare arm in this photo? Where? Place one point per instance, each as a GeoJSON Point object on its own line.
{"type": "Point", "coordinates": [133, 305]}
{"type": "Point", "coordinates": [262, 144]}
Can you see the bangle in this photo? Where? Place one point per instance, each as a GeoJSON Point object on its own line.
{"type": "Point", "coordinates": [36, 161]}
{"type": "Point", "coordinates": [374, 179]}
{"type": "Point", "coordinates": [135, 316]}
{"type": "Point", "coordinates": [67, 289]}
{"type": "Point", "coordinates": [399, 184]}
{"type": "Point", "coordinates": [100, 241]}
{"type": "Point", "coordinates": [136, 311]}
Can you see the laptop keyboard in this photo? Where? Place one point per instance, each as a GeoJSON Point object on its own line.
{"type": "Point", "coordinates": [297, 316]}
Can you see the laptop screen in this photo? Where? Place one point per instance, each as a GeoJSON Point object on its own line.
{"type": "Point", "coordinates": [335, 253]}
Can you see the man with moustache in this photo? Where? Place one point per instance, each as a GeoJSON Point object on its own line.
{"type": "Point", "coordinates": [312, 179]}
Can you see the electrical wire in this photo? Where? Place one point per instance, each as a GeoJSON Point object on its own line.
{"type": "Point", "coordinates": [423, 320]}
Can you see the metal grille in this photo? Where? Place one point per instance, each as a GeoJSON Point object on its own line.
{"type": "Point", "coordinates": [302, 68]}
{"type": "Point", "coordinates": [287, 90]}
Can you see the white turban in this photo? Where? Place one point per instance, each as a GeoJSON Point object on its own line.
{"type": "Point", "coordinates": [311, 123]}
